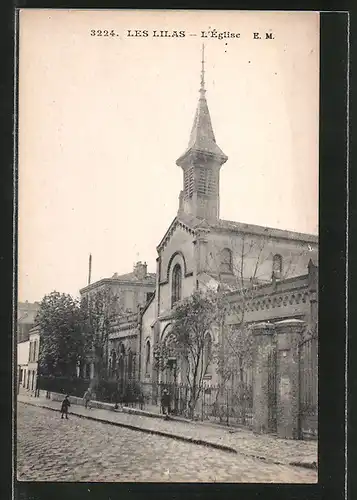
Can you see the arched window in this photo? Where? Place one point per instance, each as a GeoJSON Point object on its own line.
{"type": "Point", "coordinates": [226, 261]}
{"type": "Point", "coordinates": [207, 354]}
{"type": "Point", "coordinates": [176, 284]}
{"type": "Point", "coordinates": [147, 358]}
{"type": "Point", "coordinates": [277, 266]}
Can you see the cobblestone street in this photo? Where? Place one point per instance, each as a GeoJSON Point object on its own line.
{"type": "Point", "coordinates": [51, 449]}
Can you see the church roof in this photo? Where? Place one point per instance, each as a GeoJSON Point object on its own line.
{"type": "Point", "coordinates": [202, 139]}
{"type": "Point", "coordinates": [191, 223]}
{"type": "Point", "coordinates": [228, 225]}
{"type": "Point", "coordinates": [148, 280]}
{"type": "Point", "coordinates": [150, 277]}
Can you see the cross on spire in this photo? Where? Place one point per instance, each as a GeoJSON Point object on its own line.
{"type": "Point", "coordinates": [202, 88]}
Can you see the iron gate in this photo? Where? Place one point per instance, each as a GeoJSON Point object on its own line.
{"type": "Point", "coordinates": [308, 380]}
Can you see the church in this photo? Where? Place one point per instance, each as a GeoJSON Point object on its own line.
{"type": "Point", "coordinates": [200, 250]}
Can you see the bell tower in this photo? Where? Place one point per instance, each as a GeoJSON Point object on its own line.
{"type": "Point", "coordinates": [201, 163]}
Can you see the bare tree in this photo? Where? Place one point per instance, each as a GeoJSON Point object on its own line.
{"type": "Point", "coordinates": [244, 273]}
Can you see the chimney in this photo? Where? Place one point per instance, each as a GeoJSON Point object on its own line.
{"type": "Point", "coordinates": [140, 270]}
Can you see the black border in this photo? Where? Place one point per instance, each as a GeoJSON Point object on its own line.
{"type": "Point", "coordinates": [6, 243]}
{"type": "Point", "coordinates": [333, 179]}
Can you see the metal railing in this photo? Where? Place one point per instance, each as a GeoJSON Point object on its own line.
{"type": "Point", "coordinates": [228, 406]}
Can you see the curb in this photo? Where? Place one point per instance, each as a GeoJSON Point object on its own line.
{"type": "Point", "coordinates": [143, 413]}
{"type": "Point", "coordinates": [305, 465]}
{"type": "Point", "coordinates": [174, 418]}
{"type": "Point", "coordinates": [208, 444]}
{"type": "Point", "coordinates": [142, 429]}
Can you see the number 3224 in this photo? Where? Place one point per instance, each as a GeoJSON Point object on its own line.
{"type": "Point", "coordinates": [102, 33]}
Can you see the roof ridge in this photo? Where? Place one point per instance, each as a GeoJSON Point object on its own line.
{"type": "Point", "coordinates": [247, 225]}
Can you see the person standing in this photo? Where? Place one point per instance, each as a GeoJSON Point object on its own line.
{"type": "Point", "coordinates": [165, 402]}
{"type": "Point", "coordinates": [87, 398]}
{"type": "Point", "coordinates": [64, 407]}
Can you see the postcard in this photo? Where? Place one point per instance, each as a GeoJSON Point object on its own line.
{"type": "Point", "coordinates": [167, 317]}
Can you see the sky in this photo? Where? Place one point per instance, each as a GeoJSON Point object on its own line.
{"type": "Point", "coordinates": [103, 119]}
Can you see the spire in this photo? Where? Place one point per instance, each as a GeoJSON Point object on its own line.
{"type": "Point", "coordinates": [202, 139]}
{"type": "Point", "coordinates": [202, 88]}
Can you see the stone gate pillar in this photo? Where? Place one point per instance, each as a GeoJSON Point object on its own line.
{"type": "Point", "coordinates": [289, 334]}
{"type": "Point", "coordinates": [263, 342]}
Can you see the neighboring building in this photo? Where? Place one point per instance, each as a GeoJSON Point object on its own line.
{"type": "Point", "coordinates": [27, 360]}
{"type": "Point", "coordinates": [22, 362]}
{"type": "Point", "coordinates": [26, 314]}
{"type": "Point", "coordinates": [34, 350]}
{"type": "Point", "coordinates": [133, 291]}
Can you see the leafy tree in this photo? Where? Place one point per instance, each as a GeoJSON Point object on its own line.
{"type": "Point", "coordinates": [192, 321]}
{"type": "Point", "coordinates": [61, 344]}
{"type": "Point", "coordinates": [98, 309]}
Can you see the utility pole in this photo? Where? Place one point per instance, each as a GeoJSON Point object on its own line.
{"type": "Point", "coordinates": [90, 269]}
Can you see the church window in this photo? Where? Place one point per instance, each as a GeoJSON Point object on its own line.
{"type": "Point", "coordinates": [176, 284]}
{"type": "Point", "coordinates": [277, 266]}
{"type": "Point", "coordinates": [226, 261]}
{"type": "Point", "coordinates": [206, 181]}
{"type": "Point", "coordinates": [147, 357]}
{"type": "Point", "coordinates": [202, 181]}
{"type": "Point", "coordinates": [188, 182]}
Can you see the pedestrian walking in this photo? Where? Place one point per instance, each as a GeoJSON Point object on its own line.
{"type": "Point", "coordinates": [165, 402]}
{"type": "Point", "coordinates": [86, 398]}
{"type": "Point", "coordinates": [64, 407]}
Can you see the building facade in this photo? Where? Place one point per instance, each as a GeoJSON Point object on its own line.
{"type": "Point", "coordinates": [34, 350]}
{"type": "Point", "coordinates": [28, 355]}
{"type": "Point", "coordinates": [132, 291]}
{"type": "Point", "coordinates": [22, 363]}
{"type": "Point", "coordinates": [26, 314]}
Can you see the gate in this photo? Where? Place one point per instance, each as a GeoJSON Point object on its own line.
{"type": "Point", "coordinates": [308, 381]}
{"type": "Point", "coordinates": [272, 389]}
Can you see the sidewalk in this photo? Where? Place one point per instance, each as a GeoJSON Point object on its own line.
{"type": "Point", "coordinates": [244, 442]}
